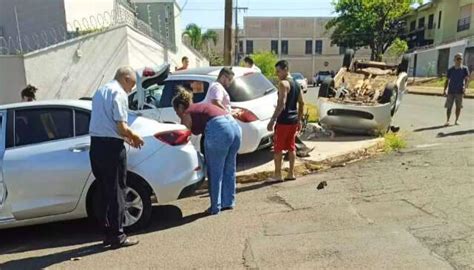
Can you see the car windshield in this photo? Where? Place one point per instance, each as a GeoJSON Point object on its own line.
{"type": "Point", "coordinates": [297, 76]}
{"type": "Point", "coordinates": [324, 73]}
{"type": "Point", "coordinates": [250, 86]}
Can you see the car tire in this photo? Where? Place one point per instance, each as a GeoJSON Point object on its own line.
{"type": "Point", "coordinates": [403, 66]}
{"type": "Point", "coordinates": [387, 93]}
{"type": "Point", "coordinates": [325, 88]}
{"type": "Point", "coordinates": [135, 188]}
{"type": "Point", "coordinates": [348, 56]}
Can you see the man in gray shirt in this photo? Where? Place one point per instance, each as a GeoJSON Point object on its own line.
{"type": "Point", "coordinates": [455, 87]}
{"type": "Point", "coordinates": [109, 129]}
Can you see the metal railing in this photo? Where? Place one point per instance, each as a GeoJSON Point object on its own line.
{"type": "Point", "coordinates": [93, 24]}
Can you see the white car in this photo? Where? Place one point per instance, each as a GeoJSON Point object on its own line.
{"type": "Point", "coordinates": [253, 95]}
{"type": "Point", "coordinates": [301, 80]}
{"type": "Point", "coordinates": [45, 172]}
{"type": "Point", "coordinates": [363, 96]}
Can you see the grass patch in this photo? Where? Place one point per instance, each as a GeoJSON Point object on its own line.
{"type": "Point", "coordinates": [312, 111]}
{"type": "Point", "coordinates": [394, 142]}
{"type": "Point", "coordinates": [439, 82]}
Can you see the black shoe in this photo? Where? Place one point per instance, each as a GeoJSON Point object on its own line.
{"type": "Point", "coordinates": [227, 208]}
{"type": "Point", "coordinates": [106, 242]}
{"type": "Point", "coordinates": [127, 243]}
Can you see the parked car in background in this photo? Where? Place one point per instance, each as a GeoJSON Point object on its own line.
{"type": "Point", "coordinates": [301, 80]}
{"type": "Point", "coordinates": [321, 76]}
{"type": "Point", "coordinates": [253, 98]}
{"type": "Point", "coordinates": [45, 172]}
{"type": "Point", "coordinates": [363, 96]}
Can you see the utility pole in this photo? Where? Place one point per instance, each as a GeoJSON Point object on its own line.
{"type": "Point", "coordinates": [236, 34]}
{"type": "Point", "coordinates": [228, 33]}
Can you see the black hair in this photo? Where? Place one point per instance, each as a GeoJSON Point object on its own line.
{"type": "Point", "coordinates": [29, 92]}
{"type": "Point", "coordinates": [225, 71]}
{"type": "Point", "coordinates": [282, 64]}
{"type": "Point", "coordinates": [184, 58]}
{"type": "Point", "coordinates": [248, 60]}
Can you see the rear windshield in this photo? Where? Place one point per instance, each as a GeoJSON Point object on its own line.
{"type": "Point", "coordinates": [250, 86]}
{"type": "Point", "coordinates": [297, 76]}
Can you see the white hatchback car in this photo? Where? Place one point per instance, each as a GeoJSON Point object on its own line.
{"type": "Point", "coordinates": [45, 173]}
{"type": "Point", "coordinates": [251, 93]}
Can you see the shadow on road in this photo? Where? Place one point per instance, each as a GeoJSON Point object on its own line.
{"type": "Point", "coordinates": [42, 262]}
{"type": "Point", "coordinates": [429, 128]}
{"type": "Point", "coordinates": [456, 133]}
{"type": "Point", "coordinates": [77, 232]}
{"type": "Point", "coordinates": [255, 159]}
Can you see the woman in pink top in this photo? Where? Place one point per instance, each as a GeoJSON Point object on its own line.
{"type": "Point", "coordinates": [221, 143]}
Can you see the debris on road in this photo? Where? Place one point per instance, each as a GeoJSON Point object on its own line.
{"type": "Point", "coordinates": [321, 185]}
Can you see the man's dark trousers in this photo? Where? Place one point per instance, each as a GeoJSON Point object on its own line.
{"type": "Point", "coordinates": [109, 165]}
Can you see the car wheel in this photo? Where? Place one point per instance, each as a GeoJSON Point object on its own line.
{"type": "Point", "coordinates": [325, 88]}
{"type": "Point", "coordinates": [348, 56]}
{"type": "Point", "coordinates": [387, 94]}
{"type": "Point", "coordinates": [138, 206]}
{"type": "Point", "coordinates": [403, 66]}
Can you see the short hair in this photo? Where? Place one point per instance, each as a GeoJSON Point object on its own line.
{"type": "Point", "coordinates": [182, 97]}
{"type": "Point", "coordinates": [225, 71]}
{"type": "Point", "coordinates": [29, 91]}
{"type": "Point", "coordinates": [184, 58]}
{"type": "Point", "coordinates": [125, 71]}
{"type": "Point", "coordinates": [248, 60]}
{"type": "Point", "coordinates": [282, 64]}
{"type": "Point", "coordinates": [458, 55]}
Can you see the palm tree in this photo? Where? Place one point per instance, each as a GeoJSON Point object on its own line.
{"type": "Point", "coordinates": [197, 38]}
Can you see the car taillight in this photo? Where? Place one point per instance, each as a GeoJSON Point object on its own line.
{"type": "Point", "coordinates": [176, 137]}
{"type": "Point", "coordinates": [244, 115]}
{"type": "Point", "coordinates": [147, 72]}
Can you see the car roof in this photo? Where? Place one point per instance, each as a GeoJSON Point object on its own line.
{"type": "Point", "coordinates": [84, 104]}
{"type": "Point", "coordinates": [213, 71]}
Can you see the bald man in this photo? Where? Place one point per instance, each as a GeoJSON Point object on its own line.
{"type": "Point", "coordinates": [109, 130]}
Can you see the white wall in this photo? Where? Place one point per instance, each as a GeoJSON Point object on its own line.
{"type": "Point", "coordinates": [80, 9]}
{"type": "Point", "coordinates": [12, 78]}
{"type": "Point", "coordinates": [76, 68]}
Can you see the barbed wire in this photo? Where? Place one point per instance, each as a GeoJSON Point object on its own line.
{"type": "Point", "coordinates": [96, 23]}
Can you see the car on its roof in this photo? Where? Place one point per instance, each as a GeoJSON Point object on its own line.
{"type": "Point", "coordinates": [45, 172]}
{"type": "Point", "coordinates": [251, 94]}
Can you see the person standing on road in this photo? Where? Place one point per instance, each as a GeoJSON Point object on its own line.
{"type": "Point", "coordinates": [217, 94]}
{"type": "Point", "coordinates": [248, 62]}
{"type": "Point", "coordinates": [222, 141]}
{"type": "Point", "coordinates": [288, 115]}
{"type": "Point", "coordinates": [184, 63]}
{"type": "Point", "coordinates": [29, 93]}
{"type": "Point", "coordinates": [455, 87]}
{"type": "Point", "coordinates": [109, 129]}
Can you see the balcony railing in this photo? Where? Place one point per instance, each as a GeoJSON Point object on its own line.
{"type": "Point", "coordinates": [464, 24]}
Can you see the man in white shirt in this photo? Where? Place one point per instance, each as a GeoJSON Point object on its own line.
{"type": "Point", "coordinates": [109, 130]}
{"type": "Point", "coordinates": [248, 62]}
{"type": "Point", "coordinates": [217, 94]}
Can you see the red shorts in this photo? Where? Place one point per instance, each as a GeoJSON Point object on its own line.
{"type": "Point", "coordinates": [284, 137]}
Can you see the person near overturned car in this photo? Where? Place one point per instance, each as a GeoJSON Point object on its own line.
{"type": "Point", "coordinates": [455, 87]}
{"type": "Point", "coordinates": [286, 119]}
{"type": "Point", "coordinates": [109, 130]}
{"type": "Point", "coordinates": [28, 94]}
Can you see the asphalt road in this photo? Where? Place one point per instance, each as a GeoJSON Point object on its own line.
{"type": "Point", "coordinates": [408, 210]}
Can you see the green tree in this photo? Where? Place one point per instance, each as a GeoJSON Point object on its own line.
{"type": "Point", "coordinates": [373, 23]}
{"type": "Point", "coordinates": [398, 48]}
{"type": "Point", "coordinates": [266, 61]}
{"type": "Point", "coordinates": [215, 59]}
{"type": "Point", "coordinates": [198, 39]}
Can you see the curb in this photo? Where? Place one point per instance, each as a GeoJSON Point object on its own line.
{"type": "Point", "coordinates": [310, 166]}
{"type": "Point", "coordinates": [434, 94]}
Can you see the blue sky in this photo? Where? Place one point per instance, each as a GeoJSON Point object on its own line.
{"type": "Point", "coordinates": [210, 13]}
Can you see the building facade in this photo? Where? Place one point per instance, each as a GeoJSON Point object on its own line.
{"type": "Point", "coordinates": [303, 41]}
{"type": "Point", "coordinates": [436, 31]}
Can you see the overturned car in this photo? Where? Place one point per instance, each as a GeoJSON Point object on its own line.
{"type": "Point", "coordinates": [363, 96]}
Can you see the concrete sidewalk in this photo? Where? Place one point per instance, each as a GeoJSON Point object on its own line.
{"type": "Point", "coordinates": [327, 153]}
{"type": "Point", "coordinates": [433, 91]}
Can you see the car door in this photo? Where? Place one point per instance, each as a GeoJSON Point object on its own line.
{"type": "Point", "coordinates": [5, 214]}
{"type": "Point", "coordinates": [46, 160]}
